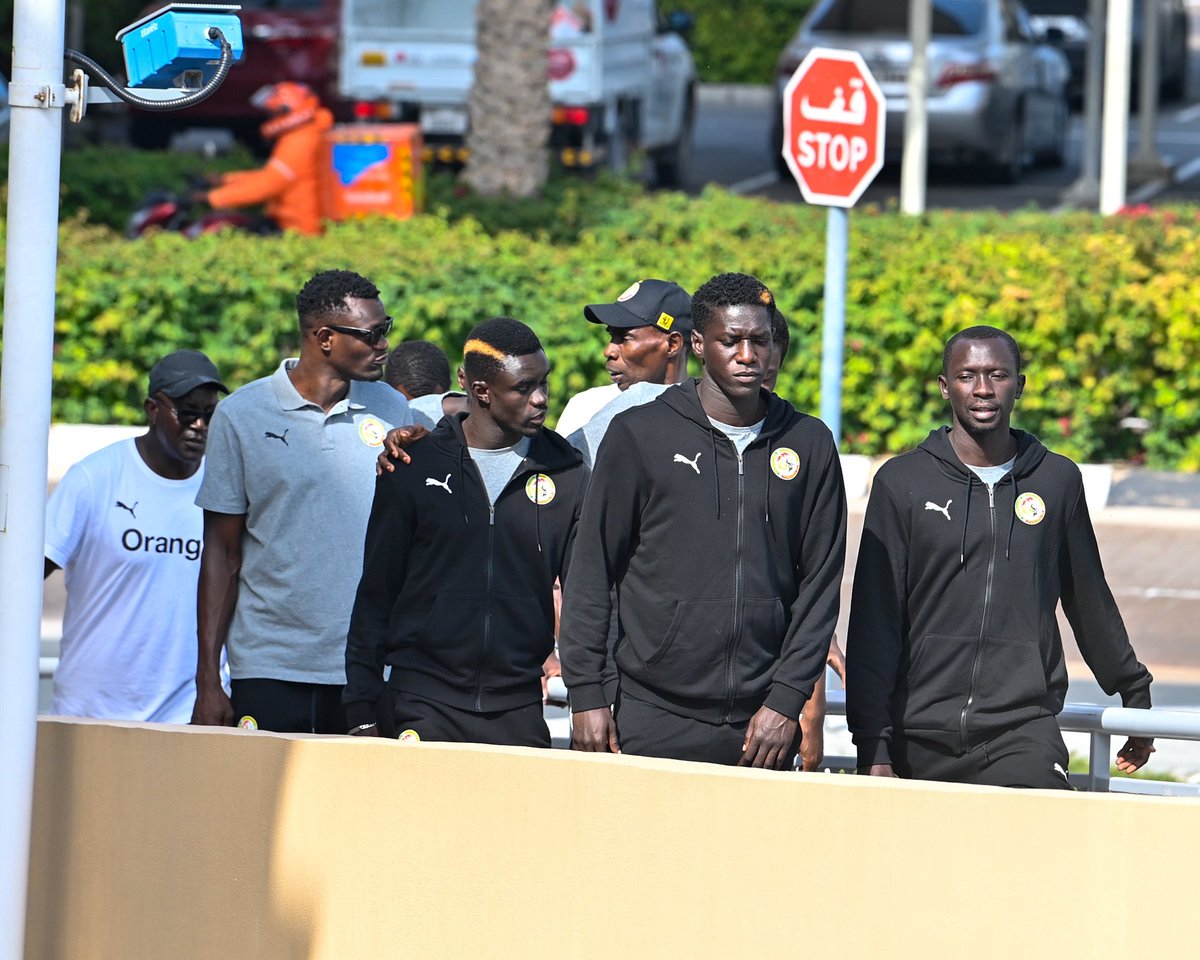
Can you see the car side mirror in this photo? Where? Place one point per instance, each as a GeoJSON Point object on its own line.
{"type": "Point", "coordinates": [1054, 36]}
{"type": "Point", "coordinates": [680, 22]}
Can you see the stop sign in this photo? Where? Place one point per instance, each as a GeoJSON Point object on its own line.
{"type": "Point", "coordinates": [833, 122]}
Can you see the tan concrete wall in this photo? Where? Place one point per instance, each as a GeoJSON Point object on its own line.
{"type": "Point", "coordinates": [169, 843]}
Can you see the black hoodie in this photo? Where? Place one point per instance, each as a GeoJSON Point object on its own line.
{"type": "Point", "coordinates": [727, 570]}
{"type": "Point", "coordinates": [953, 635]}
{"type": "Point", "coordinates": [456, 595]}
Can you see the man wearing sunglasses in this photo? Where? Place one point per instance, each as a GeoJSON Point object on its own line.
{"type": "Point", "coordinates": [286, 495]}
{"type": "Point", "coordinates": [123, 527]}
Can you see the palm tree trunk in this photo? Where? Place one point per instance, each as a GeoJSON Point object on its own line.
{"type": "Point", "coordinates": [510, 99]}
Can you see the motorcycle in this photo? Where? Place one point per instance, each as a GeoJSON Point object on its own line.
{"type": "Point", "coordinates": [176, 212]}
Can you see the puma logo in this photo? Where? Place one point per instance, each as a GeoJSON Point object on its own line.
{"type": "Point", "coordinates": [680, 458]}
{"type": "Point", "coordinates": [279, 436]}
{"type": "Point", "coordinates": [129, 508]}
{"type": "Point", "coordinates": [944, 511]}
{"type": "Point", "coordinates": [444, 484]}
{"type": "Point", "coordinates": [1061, 772]}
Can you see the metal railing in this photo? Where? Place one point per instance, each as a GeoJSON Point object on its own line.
{"type": "Point", "coordinates": [1099, 722]}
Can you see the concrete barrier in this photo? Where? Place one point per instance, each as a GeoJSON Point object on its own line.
{"type": "Point", "coordinates": [154, 842]}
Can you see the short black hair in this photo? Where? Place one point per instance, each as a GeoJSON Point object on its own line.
{"type": "Point", "coordinates": [729, 290]}
{"type": "Point", "coordinates": [326, 293]}
{"type": "Point", "coordinates": [494, 341]}
{"type": "Point", "coordinates": [780, 335]}
{"type": "Point", "coordinates": [420, 367]}
{"type": "Point", "coordinates": [977, 333]}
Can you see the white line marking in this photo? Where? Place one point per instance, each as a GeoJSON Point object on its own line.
{"type": "Point", "coordinates": [1146, 192]}
{"type": "Point", "coordinates": [750, 184]}
{"type": "Point", "coordinates": [1188, 114]}
{"type": "Point", "coordinates": [1188, 170]}
{"type": "Point", "coordinates": [1158, 593]}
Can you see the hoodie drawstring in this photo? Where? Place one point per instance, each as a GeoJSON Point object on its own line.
{"type": "Point", "coordinates": [962, 547]}
{"type": "Point", "coordinates": [537, 503]}
{"type": "Point", "coordinates": [1012, 516]}
{"type": "Point", "coordinates": [716, 473]}
{"type": "Point", "coordinates": [462, 504]}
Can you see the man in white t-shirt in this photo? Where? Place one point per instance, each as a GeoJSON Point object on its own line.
{"type": "Point", "coordinates": [123, 527]}
{"type": "Point", "coordinates": [648, 329]}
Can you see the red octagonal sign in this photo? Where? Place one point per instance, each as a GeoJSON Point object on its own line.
{"type": "Point", "coordinates": [833, 122]}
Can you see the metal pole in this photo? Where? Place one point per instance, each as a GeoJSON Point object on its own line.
{"type": "Point", "coordinates": [34, 153]}
{"type": "Point", "coordinates": [1114, 135]}
{"type": "Point", "coordinates": [1085, 192]}
{"type": "Point", "coordinates": [837, 238]}
{"type": "Point", "coordinates": [1099, 775]}
{"type": "Point", "coordinates": [915, 165]}
{"type": "Point", "coordinates": [1147, 163]}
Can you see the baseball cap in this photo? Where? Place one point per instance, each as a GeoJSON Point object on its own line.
{"type": "Point", "coordinates": [647, 303]}
{"type": "Point", "coordinates": [183, 371]}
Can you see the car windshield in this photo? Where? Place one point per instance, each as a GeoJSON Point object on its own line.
{"type": "Point", "coordinates": [281, 4]}
{"type": "Point", "coordinates": [1057, 8]}
{"type": "Point", "coordinates": [458, 15]}
{"type": "Point", "coordinates": [955, 18]}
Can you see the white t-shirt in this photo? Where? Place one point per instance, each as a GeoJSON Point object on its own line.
{"type": "Point", "coordinates": [583, 406]}
{"type": "Point", "coordinates": [129, 544]}
{"type": "Point", "coordinates": [993, 475]}
{"type": "Point", "coordinates": [740, 437]}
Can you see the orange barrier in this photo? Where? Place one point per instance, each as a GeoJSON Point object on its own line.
{"type": "Point", "coordinates": [373, 169]}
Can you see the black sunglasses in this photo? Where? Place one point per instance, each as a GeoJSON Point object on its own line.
{"type": "Point", "coordinates": [188, 415]}
{"type": "Point", "coordinates": [368, 335]}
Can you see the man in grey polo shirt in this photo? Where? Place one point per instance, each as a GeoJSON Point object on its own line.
{"type": "Point", "coordinates": [289, 479]}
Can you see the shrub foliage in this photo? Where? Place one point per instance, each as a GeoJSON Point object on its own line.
{"type": "Point", "coordinates": [1107, 310]}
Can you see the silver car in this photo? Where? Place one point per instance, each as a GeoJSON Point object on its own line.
{"type": "Point", "coordinates": [997, 91]}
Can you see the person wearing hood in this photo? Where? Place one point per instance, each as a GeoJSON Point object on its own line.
{"type": "Point", "coordinates": [718, 514]}
{"type": "Point", "coordinates": [289, 184]}
{"type": "Point", "coordinates": [462, 550]}
{"type": "Point", "coordinates": [955, 665]}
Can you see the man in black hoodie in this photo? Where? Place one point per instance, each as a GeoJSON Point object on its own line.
{"type": "Point", "coordinates": [462, 550]}
{"type": "Point", "coordinates": [718, 513]}
{"type": "Point", "coordinates": [954, 660]}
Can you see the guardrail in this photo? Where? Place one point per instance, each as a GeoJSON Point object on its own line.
{"type": "Point", "coordinates": [1100, 722]}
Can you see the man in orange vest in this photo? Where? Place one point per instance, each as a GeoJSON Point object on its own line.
{"type": "Point", "coordinates": [289, 184]}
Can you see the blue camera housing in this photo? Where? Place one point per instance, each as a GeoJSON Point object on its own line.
{"type": "Point", "coordinates": [173, 41]}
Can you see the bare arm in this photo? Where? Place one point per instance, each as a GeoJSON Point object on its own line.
{"type": "Point", "coordinates": [217, 596]}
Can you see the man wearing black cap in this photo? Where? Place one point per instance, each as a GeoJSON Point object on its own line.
{"type": "Point", "coordinates": [124, 527]}
{"type": "Point", "coordinates": [648, 329]}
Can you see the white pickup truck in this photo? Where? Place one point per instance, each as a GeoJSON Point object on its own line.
{"type": "Point", "coordinates": [621, 77]}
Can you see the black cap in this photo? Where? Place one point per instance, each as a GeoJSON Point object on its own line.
{"type": "Point", "coordinates": [182, 372]}
{"type": "Point", "coordinates": [647, 303]}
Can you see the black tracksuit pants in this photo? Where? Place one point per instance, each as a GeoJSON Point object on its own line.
{"type": "Point", "coordinates": [647, 730]}
{"type": "Point", "coordinates": [434, 721]}
{"type": "Point", "coordinates": [1031, 755]}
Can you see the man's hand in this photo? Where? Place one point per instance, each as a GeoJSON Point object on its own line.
{"type": "Point", "coordinates": [812, 729]}
{"type": "Point", "coordinates": [594, 731]}
{"type": "Point", "coordinates": [769, 739]}
{"type": "Point", "coordinates": [837, 660]}
{"type": "Point", "coordinates": [1134, 754]}
{"type": "Point", "coordinates": [551, 668]}
{"type": "Point", "coordinates": [213, 707]}
{"type": "Point", "coordinates": [393, 447]}
{"type": "Point", "coordinates": [877, 770]}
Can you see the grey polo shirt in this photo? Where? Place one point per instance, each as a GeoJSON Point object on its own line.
{"type": "Point", "coordinates": [305, 480]}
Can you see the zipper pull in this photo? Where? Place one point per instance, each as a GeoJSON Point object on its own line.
{"type": "Point", "coordinates": [739, 456]}
{"type": "Point", "coordinates": [492, 515]}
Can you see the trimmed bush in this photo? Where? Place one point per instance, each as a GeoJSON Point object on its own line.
{"type": "Point", "coordinates": [1107, 311]}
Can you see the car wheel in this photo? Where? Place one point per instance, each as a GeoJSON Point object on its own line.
{"type": "Point", "coordinates": [1008, 162]}
{"type": "Point", "coordinates": [673, 163]}
{"type": "Point", "coordinates": [1055, 155]}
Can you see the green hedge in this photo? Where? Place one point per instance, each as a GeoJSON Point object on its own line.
{"type": "Point", "coordinates": [738, 41]}
{"type": "Point", "coordinates": [1107, 311]}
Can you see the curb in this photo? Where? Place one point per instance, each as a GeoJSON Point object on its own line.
{"type": "Point", "coordinates": [735, 94]}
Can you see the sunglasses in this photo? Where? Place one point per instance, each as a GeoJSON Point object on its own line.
{"type": "Point", "coordinates": [188, 415]}
{"type": "Point", "coordinates": [368, 335]}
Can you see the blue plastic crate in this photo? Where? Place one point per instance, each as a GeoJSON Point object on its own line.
{"type": "Point", "coordinates": [161, 46]}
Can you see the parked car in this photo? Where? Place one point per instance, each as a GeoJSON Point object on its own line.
{"type": "Point", "coordinates": [997, 90]}
{"type": "Point", "coordinates": [284, 40]}
{"type": "Point", "coordinates": [1072, 18]}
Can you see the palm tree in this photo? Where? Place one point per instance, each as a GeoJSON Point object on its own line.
{"type": "Point", "coordinates": [510, 100]}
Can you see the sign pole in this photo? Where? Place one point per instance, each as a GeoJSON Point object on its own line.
{"type": "Point", "coordinates": [833, 336]}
